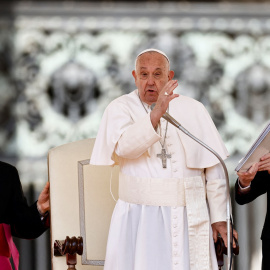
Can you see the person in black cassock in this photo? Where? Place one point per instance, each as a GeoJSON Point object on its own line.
{"type": "Point", "coordinates": [249, 186]}
{"type": "Point", "coordinates": [16, 217]}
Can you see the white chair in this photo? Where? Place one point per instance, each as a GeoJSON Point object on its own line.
{"type": "Point", "coordinates": [81, 203]}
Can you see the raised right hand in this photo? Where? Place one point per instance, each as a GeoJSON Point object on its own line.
{"type": "Point", "coordinates": [164, 98]}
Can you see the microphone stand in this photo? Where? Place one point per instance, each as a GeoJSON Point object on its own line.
{"type": "Point", "coordinates": [171, 120]}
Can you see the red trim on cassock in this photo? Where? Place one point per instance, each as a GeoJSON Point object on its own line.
{"type": "Point", "coordinates": [4, 247]}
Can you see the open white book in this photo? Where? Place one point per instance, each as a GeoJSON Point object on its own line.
{"type": "Point", "coordinates": [260, 147]}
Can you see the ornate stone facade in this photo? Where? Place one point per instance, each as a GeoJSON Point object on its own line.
{"type": "Point", "coordinates": [61, 68]}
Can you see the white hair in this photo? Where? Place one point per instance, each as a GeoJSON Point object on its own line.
{"type": "Point", "coordinates": [152, 50]}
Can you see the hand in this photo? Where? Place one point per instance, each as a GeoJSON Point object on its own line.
{"type": "Point", "coordinates": [221, 228]}
{"type": "Point", "coordinates": [164, 98]}
{"type": "Point", "coordinates": [264, 164]}
{"type": "Point", "coordinates": [245, 178]}
{"type": "Point", "coordinates": [43, 203]}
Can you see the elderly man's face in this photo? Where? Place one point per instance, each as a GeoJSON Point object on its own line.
{"type": "Point", "coordinates": [151, 75]}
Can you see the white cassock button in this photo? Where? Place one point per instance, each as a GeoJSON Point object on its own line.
{"type": "Point", "coordinates": [175, 263]}
{"type": "Point", "coordinates": [175, 217]}
{"type": "Point", "coordinates": [175, 170]}
{"type": "Point", "coordinates": [175, 244]}
{"type": "Point", "coordinates": [175, 225]}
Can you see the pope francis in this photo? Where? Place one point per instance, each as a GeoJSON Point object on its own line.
{"type": "Point", "coordinates": [172, 191]}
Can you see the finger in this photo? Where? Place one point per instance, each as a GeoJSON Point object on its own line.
{"type": "Point", "coordinates": [267, 156]}
{"type": "Point", "coordinates": [265, 161]}
{"type": "Point", "coordinates": [253, 168]}
{"type": "Point", "coordinates": [264, 168]}
{"type": "Point", "coordinates": [234, 243]}
{"type": "Point", "coordinates": [246, 177]}
{"type": "Point", "coordinates": [46, 188]}
{"type": "Point", "coordinates": [173, 96]}
{"type": "Point", "coordinates": [169, 91]}
{"type": "Point", "coordinates": [235, 234]}
{"type": "Point", "coordinates": [215, 235]}
{"type": "Point", "coordinates": [224, 237]}
{"type": "Point", "coordinates": [241, 174]}
{"type": "Point", "coordinates": [250, 174]}
{"type": "Point", "coordinates": [169, 87]}
{"type": "Point", "coordinates": [47, 185]}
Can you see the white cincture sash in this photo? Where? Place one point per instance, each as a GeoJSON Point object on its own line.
{"type": "Point", "coordinates": [189, 192]}
{"type": "Point", "coordinates": [151, 191]}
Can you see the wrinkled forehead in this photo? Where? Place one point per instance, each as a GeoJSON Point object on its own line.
{"type": "Point", "coordinates": [152, 51]}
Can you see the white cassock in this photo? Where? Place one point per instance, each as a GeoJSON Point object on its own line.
{"type": "Point", "coordinates": [162, 220]}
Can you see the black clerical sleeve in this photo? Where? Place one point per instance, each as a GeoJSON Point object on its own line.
{"type": "Point", "coordinates": [259, 185]}
{"type": "Point", "coordinates": [24, 220]}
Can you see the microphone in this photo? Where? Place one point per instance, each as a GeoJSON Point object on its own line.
{"type": "Point", "coordinates": [168, 117]}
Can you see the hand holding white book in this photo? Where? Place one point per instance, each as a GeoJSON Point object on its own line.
{"type": "Point", "coordinates": [260, 147]}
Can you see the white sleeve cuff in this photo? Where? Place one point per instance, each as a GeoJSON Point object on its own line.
{"type": "Point", "coordinates": [242, 188]}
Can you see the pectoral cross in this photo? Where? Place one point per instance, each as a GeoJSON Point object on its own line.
{"type": "Point", "coordinates": [164, 157]}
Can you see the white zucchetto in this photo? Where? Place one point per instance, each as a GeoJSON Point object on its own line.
{"type": "Point", "coordinates": [152, 50]}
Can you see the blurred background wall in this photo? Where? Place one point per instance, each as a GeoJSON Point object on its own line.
{"type": "Point", "coordinates": [62, 62]}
